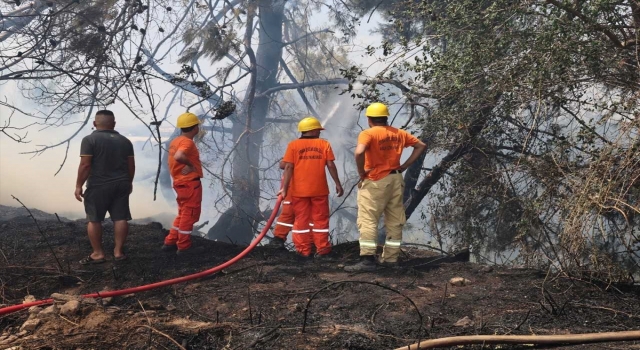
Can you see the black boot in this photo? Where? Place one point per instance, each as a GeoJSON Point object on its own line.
{"type": "Point", "coordinates": [275, 243]}
{"type": "Point", "coordinates": [367, 263]}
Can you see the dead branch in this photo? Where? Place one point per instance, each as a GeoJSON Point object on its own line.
{"type": "Point", "coordinates": [262, 338]}
{"type": "Point", "coordinates": [306, 308]}
{"type": "Point", "coordinates": [164, 335]}
{"type": "Point", "coordinates": [41, 233]}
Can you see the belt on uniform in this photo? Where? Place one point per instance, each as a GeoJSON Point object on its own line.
{"type": "Point", "coordinates": [397, 171]}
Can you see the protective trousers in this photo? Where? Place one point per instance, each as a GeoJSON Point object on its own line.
{"type": "Point", "coordinates": [284, 224]}
{"type": "Point", "coordinates": [305, 235]}
{"type": "Point", "coordinates": [374, 199]}
{"type": "Point", "coordinates": [189, 198]}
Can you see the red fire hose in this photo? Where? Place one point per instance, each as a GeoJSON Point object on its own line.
{"type": "Point", "coordinates": [144, 288]}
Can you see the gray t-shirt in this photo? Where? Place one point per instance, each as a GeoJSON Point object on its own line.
{"type": "Point", "coordinates": [109, 153]}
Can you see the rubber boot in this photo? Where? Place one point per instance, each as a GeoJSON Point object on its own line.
{"type": "Point", "coordinates": [275, 243]}
{"type": "Point", "coordinates": [367, 263]}
{"type": "Point", "coordinates": [169, 248]}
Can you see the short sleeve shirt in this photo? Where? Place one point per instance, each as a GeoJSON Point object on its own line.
{"type": "Point", "coordinates": [384, 149]}
{"type": "Point", "coordinates": [309, 157]}
{"type": "Point", "coordinates": [186, 145]}
{"type": "Point", "coordinates": [109, 152]}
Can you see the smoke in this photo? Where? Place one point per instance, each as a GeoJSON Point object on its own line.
{"type": "Point", "coordinates": [31, 178]}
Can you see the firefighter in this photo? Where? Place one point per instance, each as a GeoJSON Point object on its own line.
{"type": "Point", "coordinates": [381, 188]}
{"type": "Point", "coordinates": [305, 179]}
{"type": "Point", "coordinates": [186, 171]}
{"type": "Point", "coordinates": [284, 223]}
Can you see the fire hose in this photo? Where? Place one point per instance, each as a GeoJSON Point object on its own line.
{"type": "Point", "coordinates": [524, 339]}
{"type": "Point", "coordinates": [10, 309]}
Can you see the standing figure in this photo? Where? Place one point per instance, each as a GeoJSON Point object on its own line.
{"type": "Point", "coordinates": [186, 171]}
{"type": "Point", "coordinates": [381, 189]}
{"type": "Point", "coordinates": [108, 167]}
{"type": "Point", "coordinates": [305, 179]}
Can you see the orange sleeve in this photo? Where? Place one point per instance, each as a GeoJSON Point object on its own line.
{"type": "Point", "coordinates": [409, 140]}
{"type": "Point", "coordinates": [289, 154]}
{"type": "Point", "coordinates": [364, 138]}
{"type": "Point", "coordinates": [329, 152]}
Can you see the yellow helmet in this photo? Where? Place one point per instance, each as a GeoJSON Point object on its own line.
{"type": "Point", "coordinates": [377, 110]}
{"type": "Point", "coordinates": [308, 124]}
{"type": "Point", "coordinates": [186, 120]}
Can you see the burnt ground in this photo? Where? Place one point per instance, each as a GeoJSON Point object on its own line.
{"type": "Point", "coordinates": [260, 302]}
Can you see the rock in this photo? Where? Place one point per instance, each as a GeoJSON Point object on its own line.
{"type": "Point", "coordinates": [65, 297]}
{"type": "Point", "coordinates": [424, 288]}
{"type": "Point", "coordinates": [29, 299]}
{"type": "Point", "coordinates": [106, 301]}
{"type": "Point", "coordinates": [464, 322]}
{"type": "Point", "coordinates": [51, 310]}
{"type": "Point", "coordinates": [30, 325]}
{"type": "Point", "coordinates": [70, 308]}
{"type": "Point", "coordinates": [170, 307]}
{"type": "Point", "coordinates": [459, 281]}
{"type": "Point", "coordinates": [486, 269]}
{"type": "Point", "coordinates": [96, 319]}
{"type": "Point", "coordinates": [35, 310]}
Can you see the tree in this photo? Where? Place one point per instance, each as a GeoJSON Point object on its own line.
{"type": "Point", "coordinates": [247, 54]}
{"type": "Point", "coordinates": [533, 108]}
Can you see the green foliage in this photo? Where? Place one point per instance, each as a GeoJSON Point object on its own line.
{"type": "Point", "coordinates": [543, 95]}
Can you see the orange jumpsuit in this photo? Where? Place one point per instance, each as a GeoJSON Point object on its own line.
{"type": "Point", "coordinates": [309, 193]}
{"type": "Point", "coordinates": [284, 224]}
{"type": "Point", "coordinates": [189, 192]}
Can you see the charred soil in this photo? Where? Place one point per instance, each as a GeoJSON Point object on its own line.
{"type": "Point", "coordinates": [264, 300]}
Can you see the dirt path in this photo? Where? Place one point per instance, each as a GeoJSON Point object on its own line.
{"type": "Point", "coordinates": [261, 302]}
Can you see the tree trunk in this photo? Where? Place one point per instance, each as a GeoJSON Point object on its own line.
{"type": "Point", "coordinates": [238, 223]}
{"type": "Point", "coordinates": [417, 194]}
{"type": "Point", "coordinates": [411, 176]}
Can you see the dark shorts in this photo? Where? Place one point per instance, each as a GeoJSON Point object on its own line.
{"type": "Point", "coordinates": [111, 197]}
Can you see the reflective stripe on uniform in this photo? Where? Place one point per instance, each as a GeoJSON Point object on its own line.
{"type": "Point", "coordinates": [392, 243]}
{"type": "Point", "coordinates": [301, 231]}
{"type": "Point", "coordinates": [174, 228]}
{"type": "Point", "coordinates": [310, 224]}
{"type": "Point", "coordinates": [320, 230]}
{"type": "Point", "coordinates": [368, 243]}
{"type": "Point", "coordinates": [185, 232]}
{"type": "Point", "coordinates": [283, 224]}
{"type": "Point", "coordinates": [286, 202]}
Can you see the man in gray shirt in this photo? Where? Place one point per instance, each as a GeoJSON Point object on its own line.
{"type": "Point", "coordinates": [108, 167]}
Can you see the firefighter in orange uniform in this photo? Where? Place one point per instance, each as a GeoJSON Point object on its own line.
{"type": "Point", "coordinates": [186, 170]}
{"type": "Point", "coordinates": [380, 191]}
{"type": "Point", "coordinates": [306, 181]}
